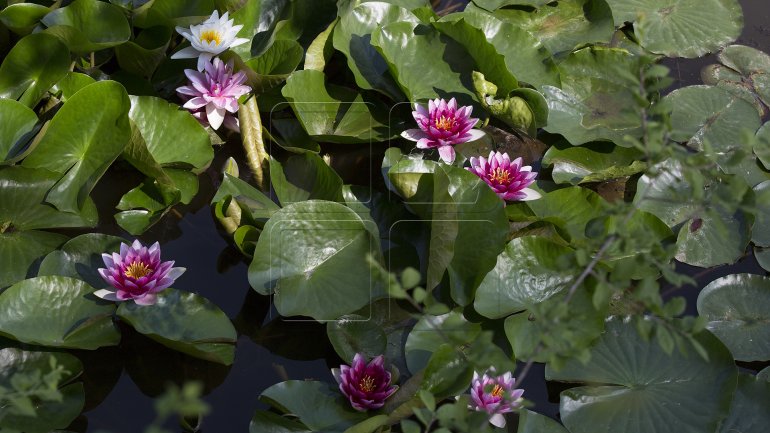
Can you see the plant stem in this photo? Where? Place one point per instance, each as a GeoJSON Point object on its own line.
{"type": "Point", "coordinates": [253, 142]}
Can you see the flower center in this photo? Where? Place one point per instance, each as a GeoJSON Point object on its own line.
{"type": "Point", "coordinates": [211, 36]}
{"type": "Point", "coordinates": [500, 175]}
{"type": "Point", "coordinates": [137, 270]}
{"type": "Point", "coordinates": [498, 391]}
{"type": "Point", "coordinates": [366, 384]}
{"type": "Point", "coordinates": [445, 123]}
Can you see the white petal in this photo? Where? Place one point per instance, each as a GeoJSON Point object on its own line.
{"type": "Point", "coordinates": [174, 273]}
{"type": "Point", "coordinates": [238, 41]}
{"type": "Point", "coordinates": [215, 116]}
{"type": "Point", "coordinates": [531, 194]}
{"type": "Point", "coordinates": [107, 295]}
{"type": "Point", "coordinates": [186, 53]}
{"type": "Point", "coordinates": [497, 420]}
{"type": "Point", "coordinates": [475, 134]}
{"type": "Point", "coordinates": [202, 60]}
{"type": "Point", "coordinates": [414, 134]}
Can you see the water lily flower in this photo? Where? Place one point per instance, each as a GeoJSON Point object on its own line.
{"type": "Point", "coordinates": [509, 179]}
{"type": "Point", "coordinates": [367, 386]}
{"type": "Point", "coordinates": [443, 125]}
{"type": "Point", "coordinates": [495, 395]}
{"type": "Point", "coordinates": [136, 274]}
{"type": "Point", "coordinates": [209, 38]}
{"type": "Point", "coordinates": [215, 90]}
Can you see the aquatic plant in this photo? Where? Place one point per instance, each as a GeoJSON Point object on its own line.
{"type": "Point", "coordinates": [509, 179]}
{"type": "Point", "coordinates": [365, 385]}
{"type": "Point", "coordinates": [209, 38]}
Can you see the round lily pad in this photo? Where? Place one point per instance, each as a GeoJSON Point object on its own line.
{"type": "Point", "coordinates": [737, 308]}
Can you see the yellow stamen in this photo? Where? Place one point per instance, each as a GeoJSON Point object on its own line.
{"type": "Point", "coordinates": [500, 175]}
{"type": "Point", "coordinates": [445, 123]}
{"type": "Point", "coordinates": [137, 270]}
{"type": "Point", "coordinates": [366, 384]}
{"type": "Point", "coordinates": [211, 35]}
{"type": "Point", "coordinates": [498, 391]}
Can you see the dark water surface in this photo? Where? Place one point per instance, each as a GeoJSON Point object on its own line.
{"type": "Point", "coordinates": [269, 349]}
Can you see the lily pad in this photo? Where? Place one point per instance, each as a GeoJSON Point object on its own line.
{"type": "Point", "coordinates": [73, 318]}
{"type": "Point", "coordinates": [595, 101]}
{"type": "Point", "coordinates": [762, 145]}
{"type": "Point", "coordinates": [333, 113]}
{"type": "Point", "coordinates": [432, 332]}
{"type": "Point", "coordinates": [491, 5]}
{"type": "Point", "coordinates": [562, 26]}
{"type": "Point", "coordinates": [88, 25]}
{"type": "Point", "coordinates": [675, 28]}
{"type": "Point", "coordinates": [318, 405]}
{"type": "Point", "coordinates": [324, 273]}
{"type": "Point", "coordinates": [352, 37]}
{"type": "Point", "coordinates": [21, 18]}
{"type": "Point", "coordinates": [33, 65]}
{"type": "Point", "coordinates": [18, 123]}
{"type": "Point", "coordinates": [744, 71]}
{"type": "Point", "coordinates": [737, 308]}
{"type": "Point", "coordinates": [748, 413]}
{"type": "Point", "coordinates": [143, 54]}
{"type": "Point", "coordinates": [186, 322]}
{"type": "Point", "coordinates": [273, 67]}
{"type": "Point", "coordinates": [170, 13]}
{"type": "Point", "coordinates": [80, 258]}
{"type": "Point", "coordinates": [353, 333]}
{"type": "Point", "coordinates": [22, 251]}
{"type": "Point", "coordinates": [761, 230]}
{"type": "Point", "coordinates": [763, 257]}
{"type": "Point", "coordinates": [85, 136]}
{"type": "Point", "coordinates": [707, 114]}
{"type": "Point", "coordinates": [425, 63]}
{"type": "Point", "coordinates": [592, 162]}
{"type": "Point", "coordinates": [304, 177]}
{"type": "Point", "coordinates": [533, 422]}
{"type": "Point", "coordinates": [569, 208]}
{"type": "Point", "coordinates": [531, 270]}
{"type": "Point", "coordinates": [23, 192]}
{"type": "Point", "coordinates": [634, 383]}
{"type": "Point", "coordinates": [70, 84]}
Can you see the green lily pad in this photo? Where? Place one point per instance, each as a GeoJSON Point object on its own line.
{"type": "Point", "coordinates": [269, 422]}
{"type": "Point", "coordinates": [425, 63]}
{"type": "Point", "coordinates": [763, 257]}
{"type": "Point", "coordinates": [274, 65]}
{"type": "Point", "coordinates": [431, 332]}
{"type": "Point", "coordinates": [595, 101]}
{"type": "Point", "coordinates": [324, 274]}
{"type": "Point", "coordinates": [529, 271]}
{"type": "Point", "coordinates": [562, 26]}
{"type": "Point", "coordinates": [533, 422]}
{"type": "Point", "coordinates": [744, 71]}
{"type": "Point", "coordinates": [259, 207]}
{"type": "Point", "coordinates": [352, 37]}
{"type": "Point", "coordinates": [88, 25]}
{"type": "Point", "coordinates": [748, 413]}
{"type": "Point", "coordinates": [143, 54]}
{"type": "Point", "coordinates": [353, 333]}
{"type": "Point", "coordinates": [762, 145]}
{"type": "Point", "coordinates": [21, 18]}
{"type": "Point", "coordinates": [33, 65]}
{"type": "Point", "coordinates": [737, 308]}
{"type": "Point", "coordinates": [186, 322]}
{"type": "Point", "coordinates": [467, 222]}
{"type": "Point", "coordinates": [592, 162]}
{"type": "Point", "coordinates": [85, 136]}
{"type": "Point", "coordinates": [170, 13]}
{"type": "Point", "coordinates": [23, 193]}
{"type": "Point", "coordinates": [569, 208]}
{"type": "Point", "coordinates": [318, 405]}
{"type": "Point", "coordinates": [675, 28]}
{"type": "Point", "coordinates": [49, 415]}
{"type": "Point", "coordinates": [304, 177]}
{"type": "Point", "coordinates": [22, 251]}
{"type": "Point", "coordinates": [761, 230]}
{"type": "Point", "coordinates": [70, 84]}
{"type": "Point", "coordinates": [73, 318]}
{"type": "Point", "coordinates": [525, 55]}
{"type": "Point", "coordinates": [333, 113]}
{"type": "Point", "coordinates": [634, 383]}
{"type": "Point", "coordinates": [18, 122]}
{"type": "Point", "coordinates": [80, 258]}
{"type": "Point", "coordinates": [707, 114]}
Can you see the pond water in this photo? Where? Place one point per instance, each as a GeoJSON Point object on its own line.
{"type": "Point", "coordinates": [122, 381]}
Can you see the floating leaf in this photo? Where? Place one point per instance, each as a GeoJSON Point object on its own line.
{"type": "Point", "coordinates": [675, 28]}
{"type": "Point", "coordinates": [70, 84]}
{"type": "Point", "coordinates": [748, 412]}
{"type": "Point", "coordinates": [431, 332]}
{"type": "Point", "coordinates": [634, 383]}
{"type": "Point", "coordinates": [737, 308]}
{"type": "Point", "coordinates": [73, 317]}
{"type": "Point", "coordinates": [18, 122]}
{"type": "Point", "coordinates": [596, 101]}
{"type": "Point", "coordinates": [352, 334]}
{"type": "Point", "coordinates": [88, 25]}
{"type": "Point", "coordinates": [22, 251]}
{"type": "Point", "coordinates": [332, 113]}
{"type": "Point", "coordinates": [170, 13]}
{"type": "Point", "coordinates": [533, 422]}
{"type": "Point", "coordinates": [80, 258]}
{"type": "Point", "coordinates": [21, 18]}
{"type": "Point", "coordinates": [562, 26]}
{"type": "Point", "coordinates": [304, 177]}
{"type": "Point", "coordinates": [142, 55]}
{"type": "Point", "coordinates": [761, 230]}
{"type": "Point", "coordinates": [33, 65]}
{"type": "Point", "coordinates": [85, 136]}
{"type": "Point", "coordinates": [529, 271]}
{"type": "Point", "coordinates": [324, 274]}
{"type": "Point", "coordinates": [592, 162]}
{"type": "Point", "coordinates": [319, 405]}
{"type": "Point", "coordinates": [186, 322]}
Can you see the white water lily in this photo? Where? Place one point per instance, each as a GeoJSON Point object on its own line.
{"type": "Point", "coordinates": [209, 38]}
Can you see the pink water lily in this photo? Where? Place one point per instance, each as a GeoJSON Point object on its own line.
{"type": "Point", "coordinates": [509, 179]}
{"type": "Point", "coordinates": [212, 95]}
{"type": "Point", "coordinates": [136, 274]}
{"type": "Point", "coordinates": [367, 386]}
{"type": "Point", "coordinates": [443, 125]}
{"type": "Point", "coordinates": [495, 395]}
